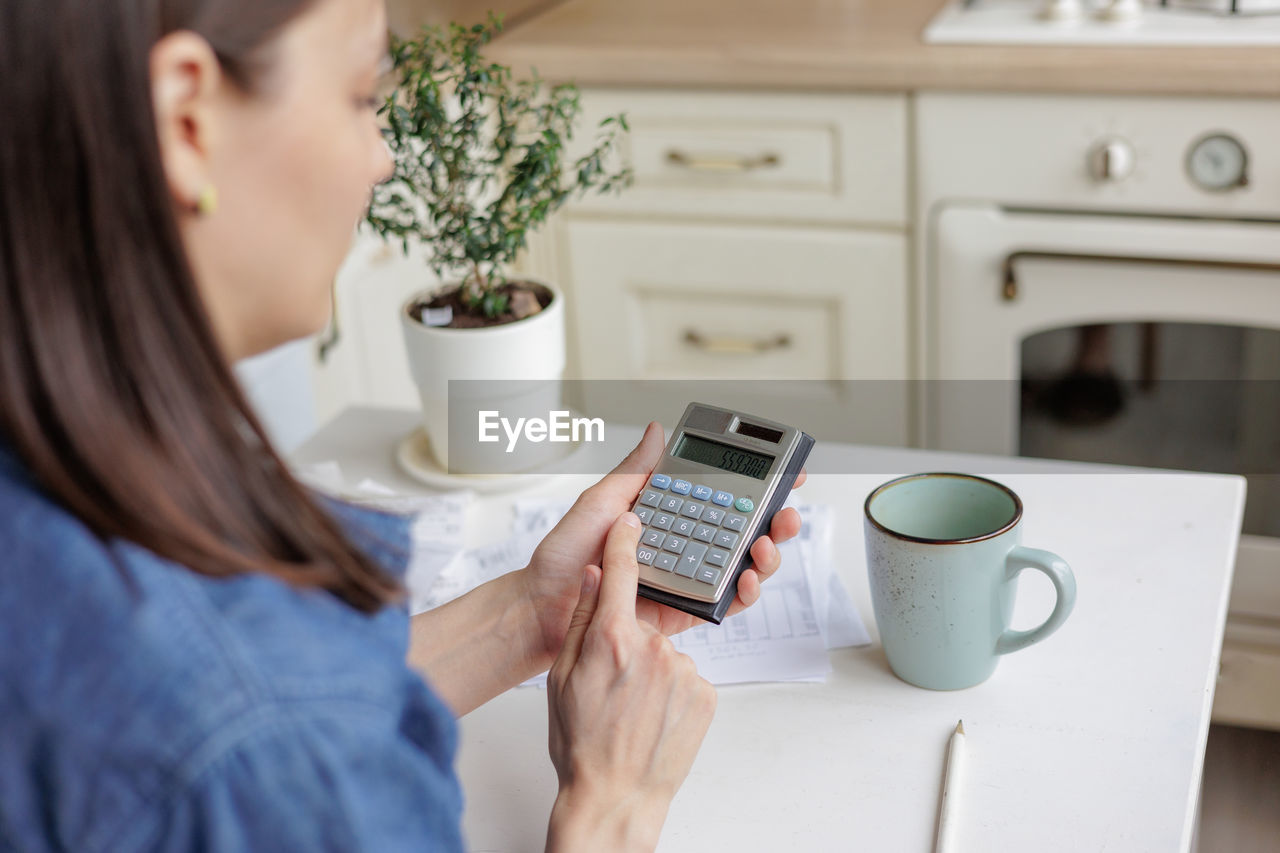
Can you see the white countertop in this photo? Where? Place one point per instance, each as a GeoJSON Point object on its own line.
{"type": "Point", "coordinates": [1091, 740]}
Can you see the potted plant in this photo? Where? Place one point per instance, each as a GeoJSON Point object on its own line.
{"type": "Point", "coordinates": [481, 162]}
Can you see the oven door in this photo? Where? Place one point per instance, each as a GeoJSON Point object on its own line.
{"type": "Point", "coordinates": [998, 276]}
{"type": "Point", "coordinates": [1185, 314]}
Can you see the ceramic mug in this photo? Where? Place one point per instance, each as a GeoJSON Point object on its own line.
{"type": "Point", "coordinates": [944, 553]}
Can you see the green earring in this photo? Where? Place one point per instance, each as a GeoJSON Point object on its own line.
{"type": "Point", "coordinates": [207, 203]}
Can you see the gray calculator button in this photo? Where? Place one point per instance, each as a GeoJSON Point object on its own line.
{"type": "Point", "coordinates": [653, 538]}
{"type": "Point", "coordinates": [691, 509]}
{"type": "Point", "coordinates": [666, 562]}
{"type": "Point", "coordinates": [662, 520]}
{"type": "Point", "coordinates": [671, 503]}
{"type": "Point", "coordinates": [692, 559]}
{"type": "Point", "coordinates": [644, 556]}
{"type": "Point", "coordinates": [735, 522]}
{"type": "Point", "coordinates": [706, 574]}
{"type": "Point", "coordinates": [726, 539]}
{"type": "Point", "coordinates": [645, 513]}
{"type": "Point", "coordinates": [712, 515]}
{"type": "Point", "coordinates": [704, 533]}
{"type": "Point", "coordinates": [716, 557]}
{"type": "Point", "coordinates": [674, 544]}
{"type": "Point", "coordinates": [684, 526]}
{"type": "Point", "coordinates": [650, 498]}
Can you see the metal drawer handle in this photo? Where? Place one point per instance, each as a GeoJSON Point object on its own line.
{"type": "Point", "coordinates": [735, 346]}
{"type": "Point", "coordinates": [710, 163]}
{"type": "Point", "coordinates": [1009, 284]}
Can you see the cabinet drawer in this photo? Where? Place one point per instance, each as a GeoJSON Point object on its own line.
{"type": "Point", "coordinates": [769, 156]}
{"type": "Point", "coordinates": [728, 336]}
{"type": "Point", "coordinates": [1248, 690]}
{"type": "Point", "coordinates": [744, 303]}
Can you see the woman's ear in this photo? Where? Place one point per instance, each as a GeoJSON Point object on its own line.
{"type": "Point", "coordinates": [185, 79]}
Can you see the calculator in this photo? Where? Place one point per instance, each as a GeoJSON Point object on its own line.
{"type": "Point", "coordinates": [721, 479]}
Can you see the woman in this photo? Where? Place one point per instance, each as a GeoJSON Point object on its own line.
{"type": "Point", "coordinates": [195, 652]}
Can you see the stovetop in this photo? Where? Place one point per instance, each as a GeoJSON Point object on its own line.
{"type": "Point", "coordinates": [1172, 22]}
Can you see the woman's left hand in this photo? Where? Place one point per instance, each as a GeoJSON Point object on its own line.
{"type": "Point", "coordinates": [553, 578]}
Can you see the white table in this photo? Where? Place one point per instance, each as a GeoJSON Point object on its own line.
{"type": "Point", "coordinates": [1091, 740]}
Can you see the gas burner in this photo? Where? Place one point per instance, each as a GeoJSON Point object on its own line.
{"type": "Point", "coordinates": [1236, 23]}
{"type": "Point", "coordinates": [1224, 7]}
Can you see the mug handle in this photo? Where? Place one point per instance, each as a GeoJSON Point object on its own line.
{"type": "Point", "coordinates": [1063, 581]}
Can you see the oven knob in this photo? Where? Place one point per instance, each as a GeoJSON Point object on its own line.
{"type": "Point", "coordinates": [1061, 11]}
{"type": "Point", "coordinates": [1121, 11]}
{"type": "Point", "coordinates": [1111, 160]}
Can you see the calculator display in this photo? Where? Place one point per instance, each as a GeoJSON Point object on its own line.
{"type": "Point", "coordinates": [723, 456]}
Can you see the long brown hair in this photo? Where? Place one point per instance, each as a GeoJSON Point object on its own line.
{"type": "Point", "coordinates": [113, 388]}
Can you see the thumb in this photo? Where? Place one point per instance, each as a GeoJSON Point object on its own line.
{"type": "Point", "coordinates": [582, 615]}
{"type": "Point", "coordinates": [645, 455]}
{"type": "Point", "coordinates": [625, 481]}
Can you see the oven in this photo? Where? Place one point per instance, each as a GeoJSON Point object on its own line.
{"type": "Point", "coordinates": [1091, 291]}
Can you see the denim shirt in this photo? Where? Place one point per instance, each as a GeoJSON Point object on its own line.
{"type": "Point", "coordinates": [146, 707]}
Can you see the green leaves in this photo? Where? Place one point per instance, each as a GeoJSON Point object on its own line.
{"type": "Point", "coordinates": [480, 157]}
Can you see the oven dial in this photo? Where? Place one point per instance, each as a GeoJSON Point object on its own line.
{"type": "Point", "coordinates": [1218, 162]}
{"type": "Point", "coordinates": [1061, 11]}
{"type": "Point", "coordinates": [1111, 160]}
{"type": "Point", "coordinates": [1121, 11]}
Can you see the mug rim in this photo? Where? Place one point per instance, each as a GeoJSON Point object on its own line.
{"type": "Point", "coordinates": [1012, 523]}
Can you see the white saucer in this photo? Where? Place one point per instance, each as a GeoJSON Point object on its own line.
{"type": "Point", "coordinates": [415, 457]}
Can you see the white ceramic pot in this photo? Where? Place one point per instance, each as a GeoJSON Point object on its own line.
{"type": "Point", "coordinates": [514, 369]}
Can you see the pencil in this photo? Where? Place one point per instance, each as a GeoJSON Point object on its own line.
{"type": "Point", "coordinates": [947, 818]}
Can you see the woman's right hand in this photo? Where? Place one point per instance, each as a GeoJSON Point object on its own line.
{"type": "Point", "coordinates": [627, 712]}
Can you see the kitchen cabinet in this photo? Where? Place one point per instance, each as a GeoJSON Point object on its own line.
{"type": "Point", "coordinates": [762, 248]}
{"type": "Point", "coordinates": [777, 318]}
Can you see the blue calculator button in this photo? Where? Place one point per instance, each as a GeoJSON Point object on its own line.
{"type": "Point", "coordinates": [681, 487]}
{"type": "Point", "coordinates": [660, 481]}
{"type": "Point", "coordinates": [744, 505]}
{"type": "Point", "coordinates": [722, 499]}
{"type": "Point", "coordinates": [702, 493]}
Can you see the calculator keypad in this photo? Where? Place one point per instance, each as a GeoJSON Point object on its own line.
{"type": "Point", "coordinates": [688, 528]}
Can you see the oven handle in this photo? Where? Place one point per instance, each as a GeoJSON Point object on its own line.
{"type": "Point", "coordinates": [1009, 286]}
